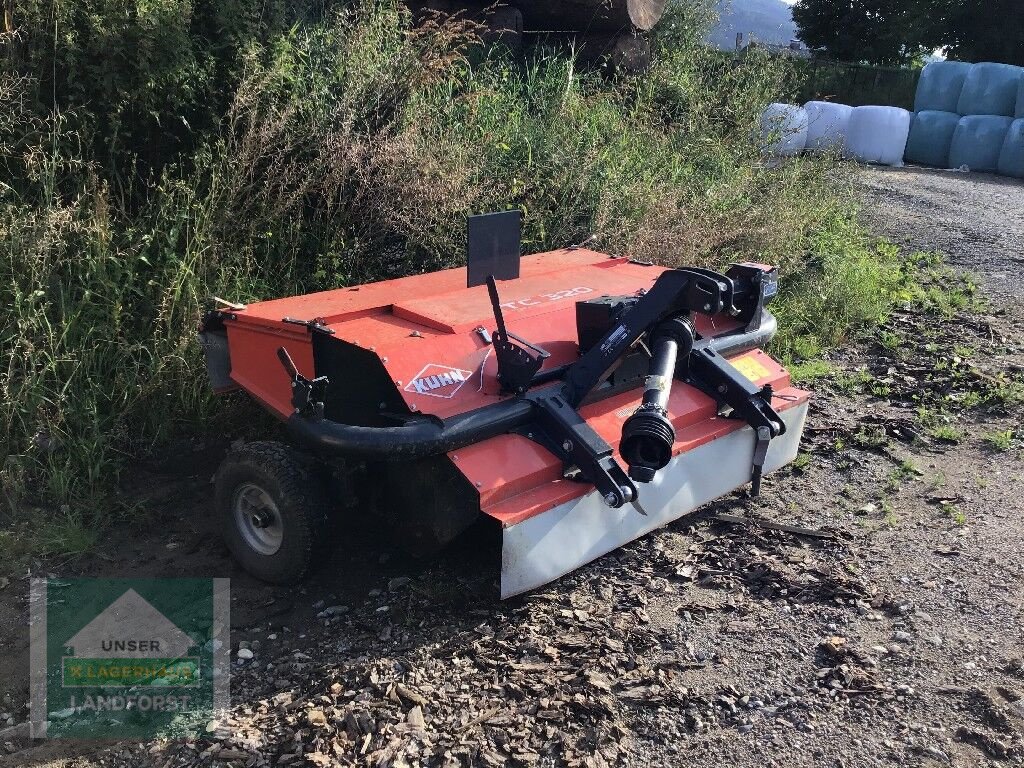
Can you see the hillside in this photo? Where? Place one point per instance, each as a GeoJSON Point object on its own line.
{"type": "Point", "coordinates": [770, 21]}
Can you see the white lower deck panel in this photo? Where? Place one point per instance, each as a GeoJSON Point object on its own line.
{"type": "Point", "coordinates": [556, 542]}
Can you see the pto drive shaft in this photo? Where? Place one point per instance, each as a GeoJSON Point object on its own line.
{"type": "Point", "coordinates": [648, 435]}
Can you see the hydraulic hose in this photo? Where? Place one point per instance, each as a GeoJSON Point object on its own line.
{"type": "Point", "coordinates": [429, 437]}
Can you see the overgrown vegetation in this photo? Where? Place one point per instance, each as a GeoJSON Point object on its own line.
{"type": "Point", "coordinates": [949, 383]}
{"type": "Point", "coordinates": [253, 157]}
{"type": "Point", "coordinates": [846, 282]}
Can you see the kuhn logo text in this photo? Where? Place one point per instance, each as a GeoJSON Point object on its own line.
{"type": "Point", "coordinates": [438, 381]}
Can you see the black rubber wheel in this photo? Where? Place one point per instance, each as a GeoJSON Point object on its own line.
{"type": "Point", "coordinates": [273, 511]}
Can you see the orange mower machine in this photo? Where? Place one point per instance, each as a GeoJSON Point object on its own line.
{"type": "Point", "coordinates": [575, 400]}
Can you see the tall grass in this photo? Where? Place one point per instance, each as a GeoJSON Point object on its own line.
{"type": "Point", "coordinates": [352, 150]}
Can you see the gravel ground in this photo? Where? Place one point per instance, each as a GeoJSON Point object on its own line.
{"type": "Point", "coordinates": [976, 219]}
{"type": "Point", "coordinates": [880, 624]}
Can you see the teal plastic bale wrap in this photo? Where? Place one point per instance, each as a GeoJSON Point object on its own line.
{"type": "Point", "coordinates": [931, 135]}
{"type": "Point", "coordinates": [940, 86]}
{"type": "Point", "coordinates": [1011, 158]}
{"type": "Point", "coordinates": [990, 89]}
{"type": "Point", "coordinates": [1020, 98]}
{"type": "Point", "coordinates": [978, 142]}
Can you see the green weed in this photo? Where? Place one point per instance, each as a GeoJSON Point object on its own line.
{"type": "Point", "coordinates": [889, 516]}
{"type": "Point", "coordinates": [938, 289]}
{"type": "Point", "coordinates": [889, 340]}
{"type": "Point", "coordinates": [958, 516]}
{"type": "Point", "coordinates": [946, 433]}
{"type": "Point", "coordinates": [871, 437]}
{"type": "Point", "coordinates": [908, 469]}
{"type": "Point", "coordinates": [853, 382]}
{"type": "Point", "coordinates": [1002, 441]}
{"type": "Point", "coordinates": [880, 390]}
{"type": "Point", "coordinates": [849, 284]}
{"type": "Point", "coordinates": [939, 425]}
{"type": "Point", "coordinates": [901, 474]}
{"type": "Point", "coordinates": [810, 370]}
{"type": "Point", "coordinates": [1002, 392]}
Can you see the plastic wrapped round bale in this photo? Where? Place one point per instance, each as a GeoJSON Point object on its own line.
{"type": "Point", "coordinates": [784, 130]}
{"type": "Point", "coordinates": [931, 135]}
{"type": "Point", "coordinates": [940, 86]}
{"type": "Point", "coordinates": [827, 124]}
{"type": "Point", "coordinates": [978, 142]}
{"type": "Point", "coordinates": [990, 89]}
{"type": "Point", "coordinates": [878, 135]}
{"type": "Point", "coordinates": [1011, 157]}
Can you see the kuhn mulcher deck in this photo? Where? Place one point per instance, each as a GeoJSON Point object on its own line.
{"type": "Point", "coordinates": [580, 402]}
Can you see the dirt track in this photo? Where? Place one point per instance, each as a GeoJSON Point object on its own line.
{"type": "Point", "coordinates": [892, 635]}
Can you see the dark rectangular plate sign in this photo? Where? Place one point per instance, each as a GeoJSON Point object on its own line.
{"type": "Point", "coordinates": [492, 247]}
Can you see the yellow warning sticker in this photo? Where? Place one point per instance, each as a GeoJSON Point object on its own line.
{"type": "Point", "coordinates": [751, 368]}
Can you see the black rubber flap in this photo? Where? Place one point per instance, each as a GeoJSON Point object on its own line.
{"type": "Point", "coordinates": [493, 247]}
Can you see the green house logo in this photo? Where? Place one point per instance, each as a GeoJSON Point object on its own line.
{"type": "Point", "coordinates": [139, 657]}
{"type": "Point", "coordinates": [130, 643]}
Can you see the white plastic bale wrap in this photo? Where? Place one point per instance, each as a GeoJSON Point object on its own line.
{"type": "Point", "coordinates": [784, 130]}
{"type": "Point", "coordinates": [940, 86]}
{"type": "Point", "coordinates": [827, 125]}
{"type": "Point", "coordinates": [878, 135]}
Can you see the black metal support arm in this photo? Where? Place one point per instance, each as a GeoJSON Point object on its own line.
{"type": "Point", "coordinates": [677, 292]}
{"type": "Point", "coordinates": [718, 378]}
{"type": "Point", "coordinates": [565, 433]}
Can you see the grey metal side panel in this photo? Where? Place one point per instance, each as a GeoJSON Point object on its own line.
{"type": "Point", "coordinates": [543, 548]}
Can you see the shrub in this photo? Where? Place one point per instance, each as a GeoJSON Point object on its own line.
{"type": "Point", "coordinates": [144, 83]}
{"type": "Point", "coordinates": [345, 149]}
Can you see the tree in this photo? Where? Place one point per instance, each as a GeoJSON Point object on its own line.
{"type": "Point", "coordinates": [902, 31]}
{"type": "Point", "coordinates": [983, 30]}
{"type": "Point", "coordinates": [873, 31]}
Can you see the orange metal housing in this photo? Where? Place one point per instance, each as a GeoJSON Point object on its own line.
{"type": "Point", "coordinates": [423, 331]}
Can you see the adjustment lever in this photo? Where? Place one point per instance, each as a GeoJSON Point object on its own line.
{"type": "Point", "coordinates": [764, 439]}
{"type": "Point", "coordinates": [516, 366]}
{"type": "Point", "coordinates": [307, 394]}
